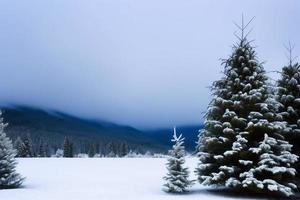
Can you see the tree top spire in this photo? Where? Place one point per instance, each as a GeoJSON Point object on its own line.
{"type": "Point", "coordinates": [243, 28]}
{"type": "Point", "coordinates": [175, 136]}
{"type": "Point", "coordinates": [289, 53]}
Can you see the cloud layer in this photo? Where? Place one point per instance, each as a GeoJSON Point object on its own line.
{"type": "Point", "coordinates": [142, 63]}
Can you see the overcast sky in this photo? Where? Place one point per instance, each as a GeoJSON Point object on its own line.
{"type": "Point", "coordinates": [141, 63]}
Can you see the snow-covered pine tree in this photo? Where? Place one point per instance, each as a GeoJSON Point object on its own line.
{"type": "Point", "coordinates": [41, 149]}
{"type": "Point", "coordinates": [26, 148]}
{"type": "Point", "coordinates": [92, 150]}
{"type": "Point", "coordinates": [288, 94]}
{"type": "Point", "coordinates": [47, 150]}
{"type": "Point", "coordinates": [68, 148]}
{"type": "Point", "coordinates": [123, 149]}
{"type": "Point", "coordinates": [242, 146]}
{"type": "Point", "coordinates": [18, 145]}
{"type": "Point", "coordinates": [59, 153]}
{"type": "Point", "coordinates": [112, 150]}
{"type": "Point", "coordinates": [23, 147]}
{"type": "Point", "coordinates": [8, 176]}
{"type": "Point", "coordinates": [177, 178]}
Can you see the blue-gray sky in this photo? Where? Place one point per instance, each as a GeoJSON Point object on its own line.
{"type": "Point", "coordinates": [143, 63]}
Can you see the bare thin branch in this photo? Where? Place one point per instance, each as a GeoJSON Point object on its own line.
{"type": "Point", "coordinates": [238, 26]}
{"type": "Point", "coordinates": [248, 32]}
{"type": "Point", "coordinates": [238, 37]}
{"type": "Point", "coordinates": [249, 22]}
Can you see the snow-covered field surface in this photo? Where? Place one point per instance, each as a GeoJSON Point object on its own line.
{"type": "Point", "coordinates": [98, 179]}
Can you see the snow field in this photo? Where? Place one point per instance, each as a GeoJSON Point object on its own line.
{"type": "Point", "coordinates": [98, 179]}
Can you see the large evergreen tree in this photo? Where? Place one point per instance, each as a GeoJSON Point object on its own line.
{"type": "Point", "coordinates": [8, 176]}
{"type": "Point", "coordinates": [177, 177]}
{"type": "Point", "coordinates": [288, 94]}
{"type": "Point", "coordinates": [242, 145]}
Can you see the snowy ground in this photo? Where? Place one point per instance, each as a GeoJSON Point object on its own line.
{"type": "Point", "coordinates": [98, 179]}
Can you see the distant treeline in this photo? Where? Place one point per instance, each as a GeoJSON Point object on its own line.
{"type": "Point", "coordinates": [27, 146]}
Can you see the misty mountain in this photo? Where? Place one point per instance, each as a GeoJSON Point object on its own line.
{"type": "Point", "coordinates": [52, 127]}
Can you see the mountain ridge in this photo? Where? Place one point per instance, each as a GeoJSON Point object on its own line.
{"type": "Point", "coordinates": [53, 126]}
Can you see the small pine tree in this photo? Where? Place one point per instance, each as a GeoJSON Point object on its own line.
{"type": "Point", "coordinates": [8, 176]}
{"type": "Point", "coordinates": [47, 150]}
{"type": "Point", "coordinates": [92, 150]}
{"type": "Point", "coordinates": [26, 149]}
{"type": "Point", "coordinates": [123, 149]}
{"type": "Point", "coordinates": [59, 153]}
{"type": "Point", "coordinates": [111, 149]}
{"type": "Point", "coordinates": [41, 150]}
{"type": "Point", "coordinates": [18, 144]}
{"type": "Point", "coordinates": [68, 148]}
{"type": "Point", "coordinates": [177, 177]}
